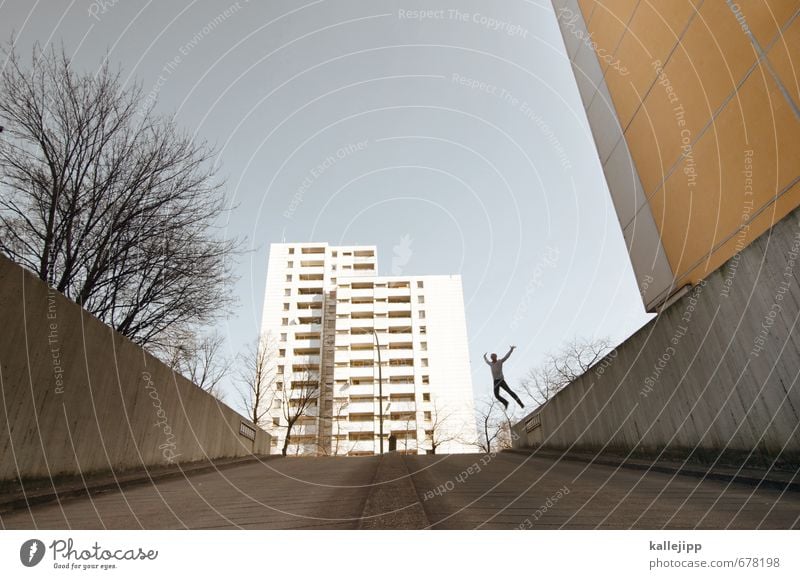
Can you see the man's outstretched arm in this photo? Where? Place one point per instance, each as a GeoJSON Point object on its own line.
{"type": "Point", "coordinates": [485, 359]}
{"type": "Point", "coordinates": [504, 358]}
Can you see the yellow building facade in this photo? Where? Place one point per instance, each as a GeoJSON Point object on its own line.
{"type": "Point", "coordinates": [695, 110]}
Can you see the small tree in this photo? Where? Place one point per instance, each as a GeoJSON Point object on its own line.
{"type": "Point", "coordinates": [300, 399]}
{"type": "Point", "coordinates": [338, 413]}
{"type": "Point", "coordinates": [202, 361]}
{"type": "Point", "coordinates": [494, 427]}
{"type": "Point", "coordinates": [257, 377]}
{"type": "Point", "coordinates": [439, 432]}
{"type": "Point", "coordinates": [559, 369]}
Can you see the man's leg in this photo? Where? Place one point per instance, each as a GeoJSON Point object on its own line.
{"type": "Point", "coordinates": [505, 387]}
{"type": "Point", "coordinates": [497, 393]}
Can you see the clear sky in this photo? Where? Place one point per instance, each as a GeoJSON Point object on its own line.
{"type": "Point", "coordinates": [453, 139]}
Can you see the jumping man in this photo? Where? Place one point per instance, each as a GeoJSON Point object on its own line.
{"type": "Point", "coordinates": [499, 381]}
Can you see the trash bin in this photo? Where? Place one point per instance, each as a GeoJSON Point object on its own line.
{"type": "Point", "coordinates": [392, 443]}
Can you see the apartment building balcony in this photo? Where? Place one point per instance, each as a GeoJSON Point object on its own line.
{"type": "Point", "coordinates": [306, 284]}
{"type": "Point", "coordinates": [361, 293]}
{"type": "Point", "coordinates": [368, 426]}
{"type": "Point", "coordinates": [394, 354]}
{"type": "Point", "coordinates": [362, 389]}
{"type": "Point", "coordinates": [361, 355]}
{"type": "Point", "coordinates": [406, 370]}
{"type": "Point", "coordinates": [295, 395]}
{"type": "Point", "coordinates": [398, 388]}
{"type": "Point", "coordinates": [362, 407]}
{"type": "Point", "coordinates": [306, 311]}
{"type": "Point", "coordinates": [359, 446]}
{"type": "Point", "coordinates": [343, 308]}
{"type": "Point", "coordinates": [402, 406]}
{"type": "Point", "coordinates": [344, 373]}
{"type": "Point", "coordinates": [307, 344]}
{"type": "Point", "coordinates": [361, 308]}
{"type": "Point", "coordinates": [307, 326]}
{"type": "Point", "coordinates": [344, 325]}
{"type": "Point", "coordinates": [357, 338]}
{"type": "Point", "coordinates": [362, 371]}
{"type": "Point", "coordinates": [306, 360]}
{"type": "Point", "coordinates": [395, 313]}
{"type": "Point", "coordinates": [401, 428]}
{"type": "Point", "coordinates": [303, 430]}
{"type": "Point", "coordinates": [305, 301]}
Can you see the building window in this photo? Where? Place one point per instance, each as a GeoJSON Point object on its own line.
{"type": "Point", "coordinates": [289, 277]}
{"type": "Point", "coordinates": [422, 314]}
{"type": "Point", "coordinates": [281, 352]}
{"type": "Point", "coordinates": [287, 292]}
{"type": "Point", "coordinates": [290, 264]}
{"type": "Point", "coordinates": [423, 346]}
{"type": "Point", "coordinates": [283, 337]}
{"type": "Point", "coordinates": [291, 250]}
{"type": "Point", "coordinates": [280, 369]}
{"type": "Point", "coordinates": [334, 254]}
{"type": "Point", "coordinates": [424, 362]}
{"type": "Point", "coordinates": [426, 397]}
{"type": "Point", "coordinates": [427, 416]}
{"type": "Point", "coordinates": [426, 379]}
{"type": "Point", "coordinates": [420, 284]}
{"type": "Point", "coordinates": [278, 386]}
{"type": "Point", "coordinates": [284, 321]}
{"type": "Point", "coordinates": [333, 280]}
{"type": "Point", "coordinates": [285, 307]}
{"type": "Point", "coordinates": [423, 330]}
{"type": "Point", "coordinates": [421, 299]}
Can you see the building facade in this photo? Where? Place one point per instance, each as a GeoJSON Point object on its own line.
{"type": "Point", "coordinates": [695, 111]}
{"type": "Point", "coordinates": [345, 339]}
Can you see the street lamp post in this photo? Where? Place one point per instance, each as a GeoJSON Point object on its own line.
{"type": "Point", "coordinates": [380, 388]}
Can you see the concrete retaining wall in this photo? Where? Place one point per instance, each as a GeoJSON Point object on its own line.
{"type": "Point", "coordinates": [717, 371]}
{"type": "Point", "coordinates": [78, 397]}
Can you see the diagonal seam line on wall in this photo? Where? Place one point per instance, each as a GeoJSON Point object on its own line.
{"type": "Point", "coordinates": [705, 128]}
{"type": "Point", "coordinates": [763, 55]}
{"type": "Point", "coordinates": [652, 84]}
{"type": "Point", "coordinates": [604, 71]}
{"type": "Point", "coordinates": [758, 212]}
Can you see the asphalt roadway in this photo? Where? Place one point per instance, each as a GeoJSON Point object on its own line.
{"type": "Point", "coordinates": [503, 491]}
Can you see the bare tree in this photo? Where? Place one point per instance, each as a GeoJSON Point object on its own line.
{"type": "Point", "coordinates": [257, 376]}
{"type": "Point", "coordinates": [559, 369]}
{"type": "Point", "coordinates": [440, 432]}
{"type": "Point", "coordinates": [495, 427]}
{"type": "Point", "coordinates": [109, 203]}
{"type": "Point", "coordinates": [338, 413]}
{"type": "Point", "coordinates": [300, 400]}
{"type": "Point", "coordinates": [202, 361]}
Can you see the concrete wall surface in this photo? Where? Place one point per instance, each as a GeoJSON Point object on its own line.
{"type": "Point", "coordinates": [716, 371]}
{"type": "Point", "coordinates": [77, 397]}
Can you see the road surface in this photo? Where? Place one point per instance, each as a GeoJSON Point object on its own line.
{"type": "Point", "coordinates": [506, 491]}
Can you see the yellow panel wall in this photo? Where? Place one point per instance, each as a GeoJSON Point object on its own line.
{"type": "Point", "coordinates": [729, 84]}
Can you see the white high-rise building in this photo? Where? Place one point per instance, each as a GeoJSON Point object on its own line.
{"type": "Point", "coordinates": [325, 309]}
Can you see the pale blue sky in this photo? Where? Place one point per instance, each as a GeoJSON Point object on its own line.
{"type": "Point", "coordinates": [474, 158]}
